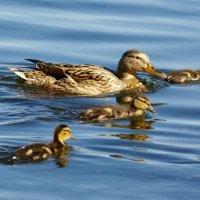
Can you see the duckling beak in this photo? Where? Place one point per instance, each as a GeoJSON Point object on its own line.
{"type": "Point", "coordinates": [72, 137]}
{"type": "Point", "coordinates": [151, 70]}
{"type": "Point", "coordinates": [151, 109]}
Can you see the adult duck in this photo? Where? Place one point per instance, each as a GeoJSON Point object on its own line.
{"type": "Point", "coordinates": [90, 79]}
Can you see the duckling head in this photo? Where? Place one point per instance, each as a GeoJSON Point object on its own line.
{"type": "Point", "coordinates": [135, 60]}
{"type": "Point", "coordinates": [62, 132]}
{"type": "Point", "coordinates": [142, 103]}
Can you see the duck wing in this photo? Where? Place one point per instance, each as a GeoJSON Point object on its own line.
{"type": "Point", "coordinates": [32, 153]}
{"type": "Point", "coordinates": [77, 72]}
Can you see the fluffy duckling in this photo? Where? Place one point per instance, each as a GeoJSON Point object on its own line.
{"type": "Point", "coordinates": [184, 76]}
{"type": "Point", "coordinates": [40, 151]}
{"type": "Point", "coordinates": [108, 112]}
{"type": "Point", "coordinates": [88, 79]}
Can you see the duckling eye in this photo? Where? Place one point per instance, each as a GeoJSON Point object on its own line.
{"type": "Point", "coordinates": [64, 132]}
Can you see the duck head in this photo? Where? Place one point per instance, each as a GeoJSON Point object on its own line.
{"type": "Point", "coordinates": [142, 103]}
{"type": "Point", "coordinates": [62, 132]}
{"type": "Point", "coordinates": [135, 60]}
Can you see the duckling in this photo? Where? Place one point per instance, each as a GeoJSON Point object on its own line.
{"type": "Point", "coordinates": [40, 151]}
{"type": "Point", "coordinates": [108, 112]}
{"type": "Point", "coordinates": [184, 76]}
{"type": "Point", "coordinates": [88, 79]}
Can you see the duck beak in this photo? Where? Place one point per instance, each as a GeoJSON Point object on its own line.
{"type": "Point", "coordinates": [72, 137]}
{"type": "Point", "coordinates": [151, 70]}
{"type": "Point", "coordinates": [151, 109]}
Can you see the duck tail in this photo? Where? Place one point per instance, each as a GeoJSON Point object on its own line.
{"type": "Point", "coordinates": [18, 72]}
{"type": "Point", "coordinates": [33, 60]}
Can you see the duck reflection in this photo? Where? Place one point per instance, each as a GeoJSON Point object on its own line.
{"type": "Point", "coordinates": [126, 158]}
{"type": "Point", "coordinates": [137, 136]}
{"type": "Point", "coordinates": [62, 156]}
{"type": "Point", "coordinates": [136, 123]}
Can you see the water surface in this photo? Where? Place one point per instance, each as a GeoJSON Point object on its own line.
{"type": "Point", "coordinates": [161, 157]}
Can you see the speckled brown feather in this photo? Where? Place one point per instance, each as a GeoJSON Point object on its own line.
{"type": "Point", "coordinates": [34, 152]}
{"type": "Point", "coordinates": [108, 112]}
{"type": "Point", "coordinates": [40, 151]}
{"type": "Point", "coordinates": [90, 79]}
{"type": "Point", "coordinates": [78, 79]}
{"type": "Point", "coordinates": [78, 73]}
{"type": "Point", "coordinates": [184, 76]}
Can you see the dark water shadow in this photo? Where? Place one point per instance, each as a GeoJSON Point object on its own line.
{"type": "Point", "coordinates": [135, 124]}
{"type": "Point", "coordinates": [136, 136]}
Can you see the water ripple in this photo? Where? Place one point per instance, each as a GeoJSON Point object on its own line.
{"type": "Point", "coordinates": [121, 157]}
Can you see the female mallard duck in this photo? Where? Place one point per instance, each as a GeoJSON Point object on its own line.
{"type": "Point", "coordinates": [184, 76]}
{"type": "Point", "coordinates": [108, 112]}
{"type": "Point", "coordinates": [40, 151]}
{"type": "Point", "coordinates": [90, 79]}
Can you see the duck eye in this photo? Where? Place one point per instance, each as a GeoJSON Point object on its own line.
{"type": "Point", "coordinates": [151, 66]}
{"type": "Point", "coordinates": [65, 132]}
{"type": "Point", "coordinates": [136, 57]}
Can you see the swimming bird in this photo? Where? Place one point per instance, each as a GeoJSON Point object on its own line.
{"type": "Point", "coordinates": [41, 151]}
{"type": "Point", "coordinates": [108, 112]}
{"type": "Point", "coordinates": [184, 76]}
{"type": "Point", "coordinates": [88, 79]}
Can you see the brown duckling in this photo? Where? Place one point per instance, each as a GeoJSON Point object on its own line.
{"type": "Point", "coordinates": [184, 76]}
{"type": "Point", "coordinates": [108, 112]}
{"type": "Point", "coordinates": [40, 151]}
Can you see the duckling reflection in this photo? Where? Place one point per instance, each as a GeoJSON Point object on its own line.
{"type": "Point", "coordinates": [137, 137]}
{"type": "Point", "coordinates": [126, 158]}
{"type": "Point", "coordinates": [61, 156]}
{"type": "Point", "coordinates": [108, 112]}
{"type": "Point", "coordinates": [37, 152]}
{"type": "Point", "coordinates": [141, 124]}
{"type": "Point", "coordinates": [184, 76]}
{"type": "Point", "coordinates": [138, 124]}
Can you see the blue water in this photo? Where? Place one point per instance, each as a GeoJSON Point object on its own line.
{"type": "Point", "coordinates": [165, 165]}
